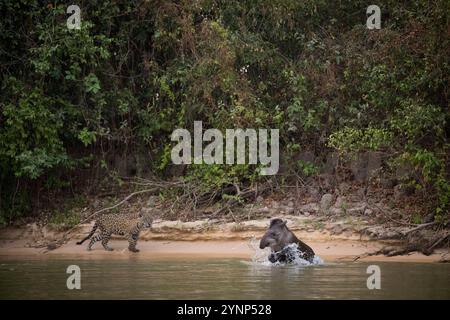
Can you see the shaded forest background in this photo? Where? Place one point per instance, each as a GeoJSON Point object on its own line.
{"type": "Point", "coordinates": [77, 106]}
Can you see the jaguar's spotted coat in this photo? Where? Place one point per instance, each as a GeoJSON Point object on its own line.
{"type": "Point", "coordinates": [119, 224]}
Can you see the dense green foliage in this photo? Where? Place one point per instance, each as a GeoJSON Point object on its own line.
{"type": "Point", "coordinates": [139, 69]}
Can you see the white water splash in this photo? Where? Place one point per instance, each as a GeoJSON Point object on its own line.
{"type": "Point", "coordinates": [261, 256]}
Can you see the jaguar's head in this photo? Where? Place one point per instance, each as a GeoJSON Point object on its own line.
{"type": "Point", "coordinates": [147, 220]}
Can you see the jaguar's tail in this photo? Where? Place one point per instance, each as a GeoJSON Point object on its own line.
{"type": "Point", "coordinates": [89, 235]}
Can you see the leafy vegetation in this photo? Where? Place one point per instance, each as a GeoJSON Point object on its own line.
{"type": "Point", "coordinates": [136, 70]}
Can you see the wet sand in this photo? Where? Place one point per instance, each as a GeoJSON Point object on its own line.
{"type": "Point", "coordinates": [332, 251]}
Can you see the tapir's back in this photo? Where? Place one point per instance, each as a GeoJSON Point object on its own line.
{"type": "Point", "coordinates": [307, 251]}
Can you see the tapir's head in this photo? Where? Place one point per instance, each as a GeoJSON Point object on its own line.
{"type": "Point", "coordinates": [276, 236]}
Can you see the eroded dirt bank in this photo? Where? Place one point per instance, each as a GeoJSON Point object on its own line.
{"type": "Point", "coordinates": [340, 240]}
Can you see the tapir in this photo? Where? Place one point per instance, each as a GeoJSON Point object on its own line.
{"type": "Point", "coordinates": [277, 237]}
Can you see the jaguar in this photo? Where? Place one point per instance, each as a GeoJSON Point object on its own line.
{"type": "Point", "coordinates": [118, 224]}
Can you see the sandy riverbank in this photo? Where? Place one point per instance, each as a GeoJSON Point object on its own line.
{"type": "Point", "coordinates": [336, 241]}
{"type": "Point", "coordinates": [332, 251]}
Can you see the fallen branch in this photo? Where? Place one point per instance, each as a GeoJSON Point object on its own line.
{"type": "Point", "coordinates": [420, 226]}
{"type": "Point", "coordinates": [243, 195]}
{"type": "Point", "coordinates": [118, 204]}
{"type": "Point", "coordinates": [426, 248]}
{"type": "Point", "coordinates": [386, 215]}
{"type": "Point", "coordinates": [439, 241]}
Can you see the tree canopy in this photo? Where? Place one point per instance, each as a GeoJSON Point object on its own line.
{"type": "Point", "coordinates": [137, 70]}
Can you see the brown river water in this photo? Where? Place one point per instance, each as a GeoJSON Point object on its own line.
{"type": "Point", "coordinates": [217, 278]}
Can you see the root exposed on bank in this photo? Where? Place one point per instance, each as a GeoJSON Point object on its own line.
{"type": "Point", "coordinates": [417, 240]}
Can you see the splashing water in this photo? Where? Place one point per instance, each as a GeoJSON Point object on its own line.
{"type": "Point", "coordinates": [260, 256]}
{"type": "Point", "coordinates": [296, 256]}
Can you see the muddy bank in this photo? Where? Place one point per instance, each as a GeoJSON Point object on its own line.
{"type": "Point", "coordinates": [339, 240]}
{"type": "Point", "coordinates": [307, 228]}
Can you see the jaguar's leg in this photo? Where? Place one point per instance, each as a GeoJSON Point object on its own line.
{"type": "Point", "coordinates": [94, 239]}
{"type": "Point", "coordinates": [106, 237]}
{"type": "Point", "coordinates": [132, 240]}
